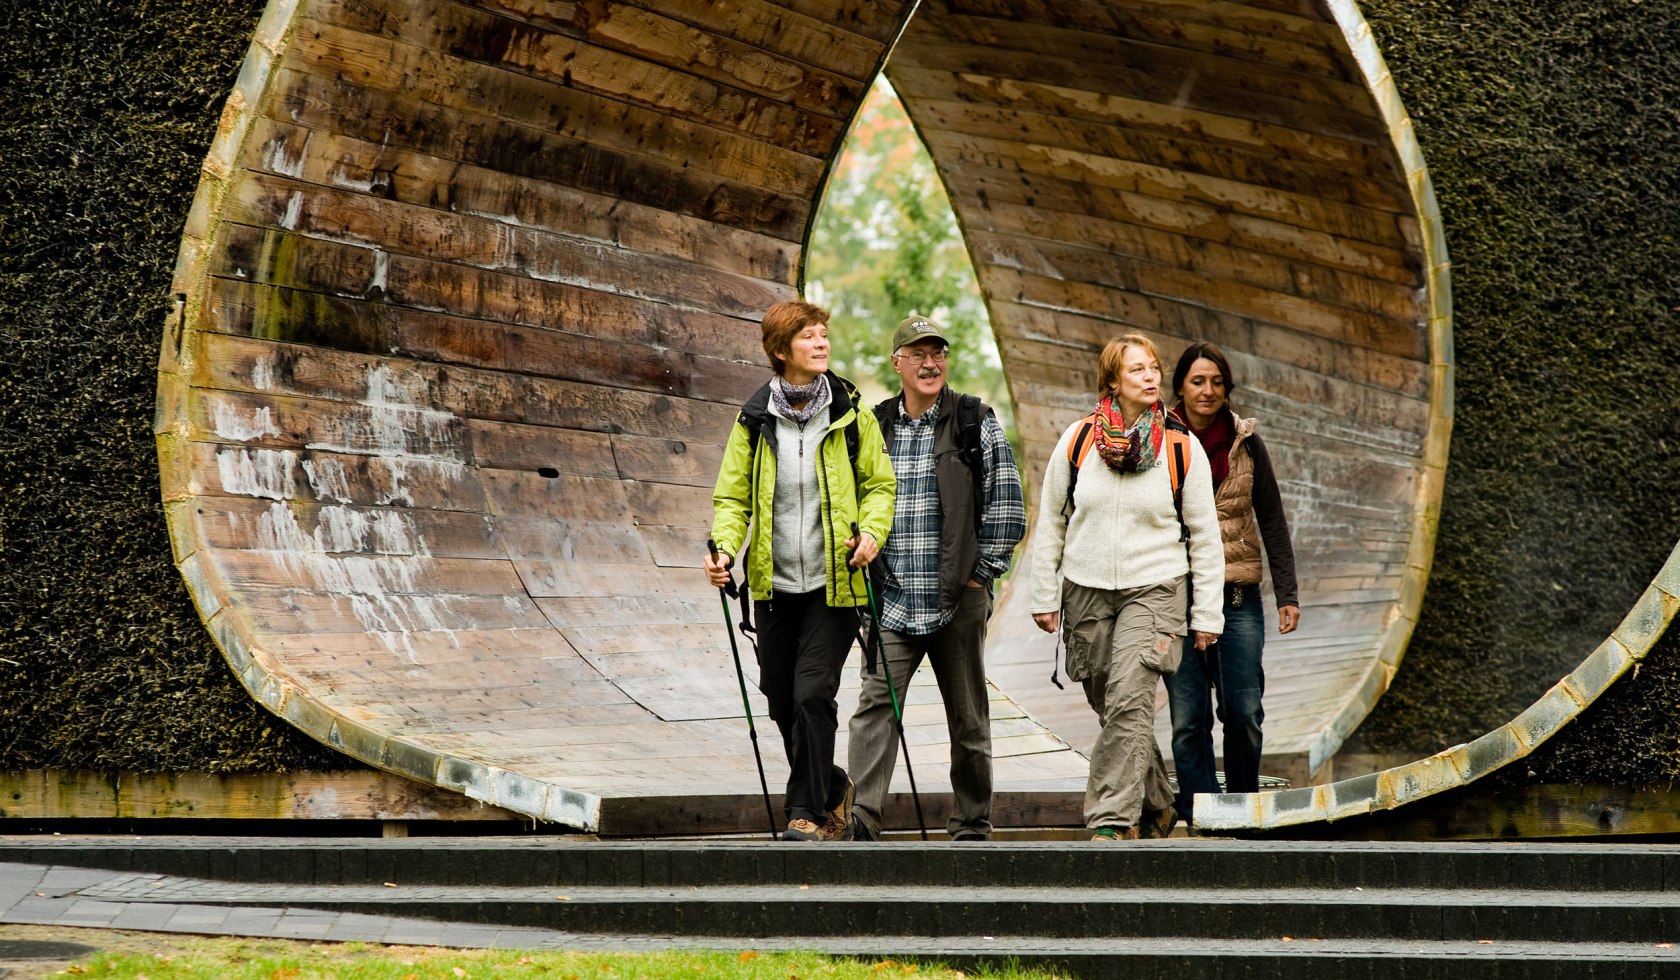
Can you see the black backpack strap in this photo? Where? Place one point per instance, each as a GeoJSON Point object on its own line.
{"type": "Point", "coordinates": [972, 450]}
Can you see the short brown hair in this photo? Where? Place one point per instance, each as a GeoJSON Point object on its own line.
{"type": "Point", "coordinates": [782, 323]}
{"type": "Point", "coordinates": [1109, 361]}
{"type": "Point", "coordinates": [1196, 351]}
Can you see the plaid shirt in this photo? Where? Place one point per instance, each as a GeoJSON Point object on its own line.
{"type": "Point", "coordinates": [910, 596]}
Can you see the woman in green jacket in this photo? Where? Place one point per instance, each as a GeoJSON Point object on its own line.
{"type": "Point", "coordinates": [803, 467]}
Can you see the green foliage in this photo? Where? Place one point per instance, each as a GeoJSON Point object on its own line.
{"type": "Point", "coordinates": [886, 243]}
{"type": "Point", "coordinates": [1552, 135]}
{"type": "Point", "coordinates": [103, 661]}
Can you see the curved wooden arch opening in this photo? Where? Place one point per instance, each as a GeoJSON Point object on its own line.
{"type": "Point", "coordinates": [470, 298]}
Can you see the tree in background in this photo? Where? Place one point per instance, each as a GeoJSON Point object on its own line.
{"type": "Point", "coordinates": [886, 243]}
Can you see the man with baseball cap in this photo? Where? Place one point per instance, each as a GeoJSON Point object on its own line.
{"type": "Point", "coordinates": [958, 517]}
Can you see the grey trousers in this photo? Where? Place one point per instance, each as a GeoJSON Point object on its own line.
{"type": "Point", "coordinates": [957, 653]}
{"type": "Point", "coordinates": [1119, 644]}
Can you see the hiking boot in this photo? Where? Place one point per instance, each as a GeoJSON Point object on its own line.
{"type": "Point", "coordinates": [802, 829]}
{"type": "Point", "coordinates": [1158, 823]}
{"type": "Point", "coordinates": [838, 826]}
{"type": "Point", "coordinates": [1115, 833]}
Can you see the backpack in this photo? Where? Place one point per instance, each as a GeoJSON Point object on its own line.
{"type": "Point", "coordinates": [970, 410]}
{"type": "Point", "coordinates": [1177, 443]}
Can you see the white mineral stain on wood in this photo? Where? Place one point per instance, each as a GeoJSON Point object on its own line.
{"type": "Point", "coordinates": [258, 472]}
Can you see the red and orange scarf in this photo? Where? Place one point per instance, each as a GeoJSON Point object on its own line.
{"type": "Point", "coordinates": [1133, 448]}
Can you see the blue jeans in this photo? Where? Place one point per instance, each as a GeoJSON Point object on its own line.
{"type": "Point", "coordinates": [1231, 667]}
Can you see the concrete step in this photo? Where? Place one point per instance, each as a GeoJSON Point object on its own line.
{"type": "Point", "coordinates": [1198, 907]}
{"type": "Point", "coordinates": [1160, 864]}
{"type": "Point", "coordinates": [1043, 912]}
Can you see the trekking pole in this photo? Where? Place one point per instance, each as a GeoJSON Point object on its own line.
{"type": "Point", "coordinates": [892, 691]}
{"type": "Point", "coordinates": [741, 678]}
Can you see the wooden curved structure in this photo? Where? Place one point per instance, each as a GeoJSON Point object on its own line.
{"type": "Point", "coordinates": [469, 296]}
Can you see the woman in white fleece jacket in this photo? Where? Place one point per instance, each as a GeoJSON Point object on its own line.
{"type": "Point", "coordinates": [1113, 570]}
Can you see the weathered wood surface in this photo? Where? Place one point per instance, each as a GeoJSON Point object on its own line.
{"type": "Point", "coordinates": [1209, 171]}
{"type": "Point", "coordinates": [43, 794]}
{"type": "Point", "coordinates": [473, 290]}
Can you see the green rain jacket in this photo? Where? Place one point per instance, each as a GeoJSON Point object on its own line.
{"type": "Point", "coordinates": [745, 494]}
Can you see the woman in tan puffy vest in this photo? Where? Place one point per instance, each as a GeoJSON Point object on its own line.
{"type": "Point", "coordinates": [1250, 512]}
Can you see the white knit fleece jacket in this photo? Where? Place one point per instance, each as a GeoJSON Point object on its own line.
{"type": "Point", "coordinates": [1123, 533]}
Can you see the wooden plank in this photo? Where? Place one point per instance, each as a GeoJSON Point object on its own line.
{"type": "Point", "coordinates": [628, 52]}
{"type": "Point", "coordinates": [377, 116]}
{"type": "Point", "coordinates": [692, 463]}
{"type": "Point", "coordinates": [982, 183]}
{"type": "Point", "coordinates": [277, 313]}
{"type": "Point", "coordinates": [917, 86]}
{"type": "Point", "coordinates": [878, 19]}
{"type": "Point", "coordinates": [374, 575]}
{"type": "Point", "coordinates": [654, 610]}
{"type": "Point", "coordinates": [446, 236]}
{"type": "Point", "coordinates": [1303, 25]}
{"type": "Point", "coordinates": [535, 448]}
{"type": "Point", "coordinates": [565, 580]}
{"type": "Point", "coordinates": [53, 794]}
{"type": "Point", "coordinates": [308, 378]}
{"type": "Point", "coordinates": [1167, 303]}
{"type": "Point", "coordinates": [1183, 150]}
{"type": "Point", "coordinates": [1075, 67]}
{"type": "Point", "coordinates": [400, 174]}
{"type": "Point", "coordinates": [300, 611]}
{"type": "Point", "coordinates": [339, 529]}
{"type": "Point", "coordinates": [1099, 175]}
{"type": "Point", "coordinates": [1182, 67]}
{"type": "Point", "coordinates": [782, 143]}
{"type": "Point", "coordinates": [329, 477]}
{"type": "Point", "coordinates": [523, 494]}
{"type": "Point", "coordinates": [1078, 257]}
{"type": "Point", "coordinates": [1003, 228]}
{"type": "Point", "coordinates": [777, 28]}
{"type": "Point", "coordinates": [284, 422]}
{"type": "Point", "coordinates": [274, 256]}
{"type": "Point", "coordinates": [1239, 38]}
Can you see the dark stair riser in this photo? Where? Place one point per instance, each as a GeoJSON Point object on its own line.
{"type": "Point", "coordinates": [957, 866]}
{"type": "Point", "coordinates": [1095, 919]}
{"type": "Point", "coordinates": [1216, 966]}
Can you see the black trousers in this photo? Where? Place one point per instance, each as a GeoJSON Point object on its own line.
{"type": "Point", "coordinates": [802, 648]}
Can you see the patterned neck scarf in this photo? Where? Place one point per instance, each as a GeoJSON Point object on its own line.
{"type": "Point", "coordinates": [812, 398]}
{"type": "Point", "coordinates": [1129, 449]}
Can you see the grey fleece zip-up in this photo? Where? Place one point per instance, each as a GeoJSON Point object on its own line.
{"type": "Point", "coordinates": [796, 534]}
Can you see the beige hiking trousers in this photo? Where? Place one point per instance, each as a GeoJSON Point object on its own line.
{"type": "Point", "coordinates": [1119, 644]}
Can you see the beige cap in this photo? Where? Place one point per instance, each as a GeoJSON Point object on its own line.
{"type": "Point", "coordinates": [917, 327]}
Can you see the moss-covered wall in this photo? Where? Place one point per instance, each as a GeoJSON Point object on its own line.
{"type": "Point", "coordinates": [106, 109]}
{"type": "Point", "coordinates": [1552, 134]}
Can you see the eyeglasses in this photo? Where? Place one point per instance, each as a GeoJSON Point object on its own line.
{"type": "Point", "coordinates": [918, 356]}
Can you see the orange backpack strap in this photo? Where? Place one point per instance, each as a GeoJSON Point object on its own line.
{"type": "Point", "coordinates": [1077, 450]}
{"type": "Point", "coordinates": [1178, 463]}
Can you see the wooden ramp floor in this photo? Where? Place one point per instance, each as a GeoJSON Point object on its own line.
{"type": "Point", "coordinates": [469, 298]}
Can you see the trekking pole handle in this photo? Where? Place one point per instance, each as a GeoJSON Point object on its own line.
{"type": "Point", "coordinates": [711, 547]}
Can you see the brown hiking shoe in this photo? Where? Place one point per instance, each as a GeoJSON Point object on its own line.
{"type": "Point", "coordinates": [838, 826]}
{"type": "Point", "coordinates": [802, 829]}
{"type": "Point", "coordinates": [1158, 823]}
{"type": "Point", "coordinates": [1115, 833]}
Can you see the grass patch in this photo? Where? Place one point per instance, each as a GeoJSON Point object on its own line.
{"type": "Point", "coordinates": [189, 958]}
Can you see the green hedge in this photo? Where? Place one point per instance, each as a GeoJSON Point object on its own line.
{"type": "Point", "coordinates": [108, 108]}
{"type": "Point", "coordinates": [1553, 135]}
